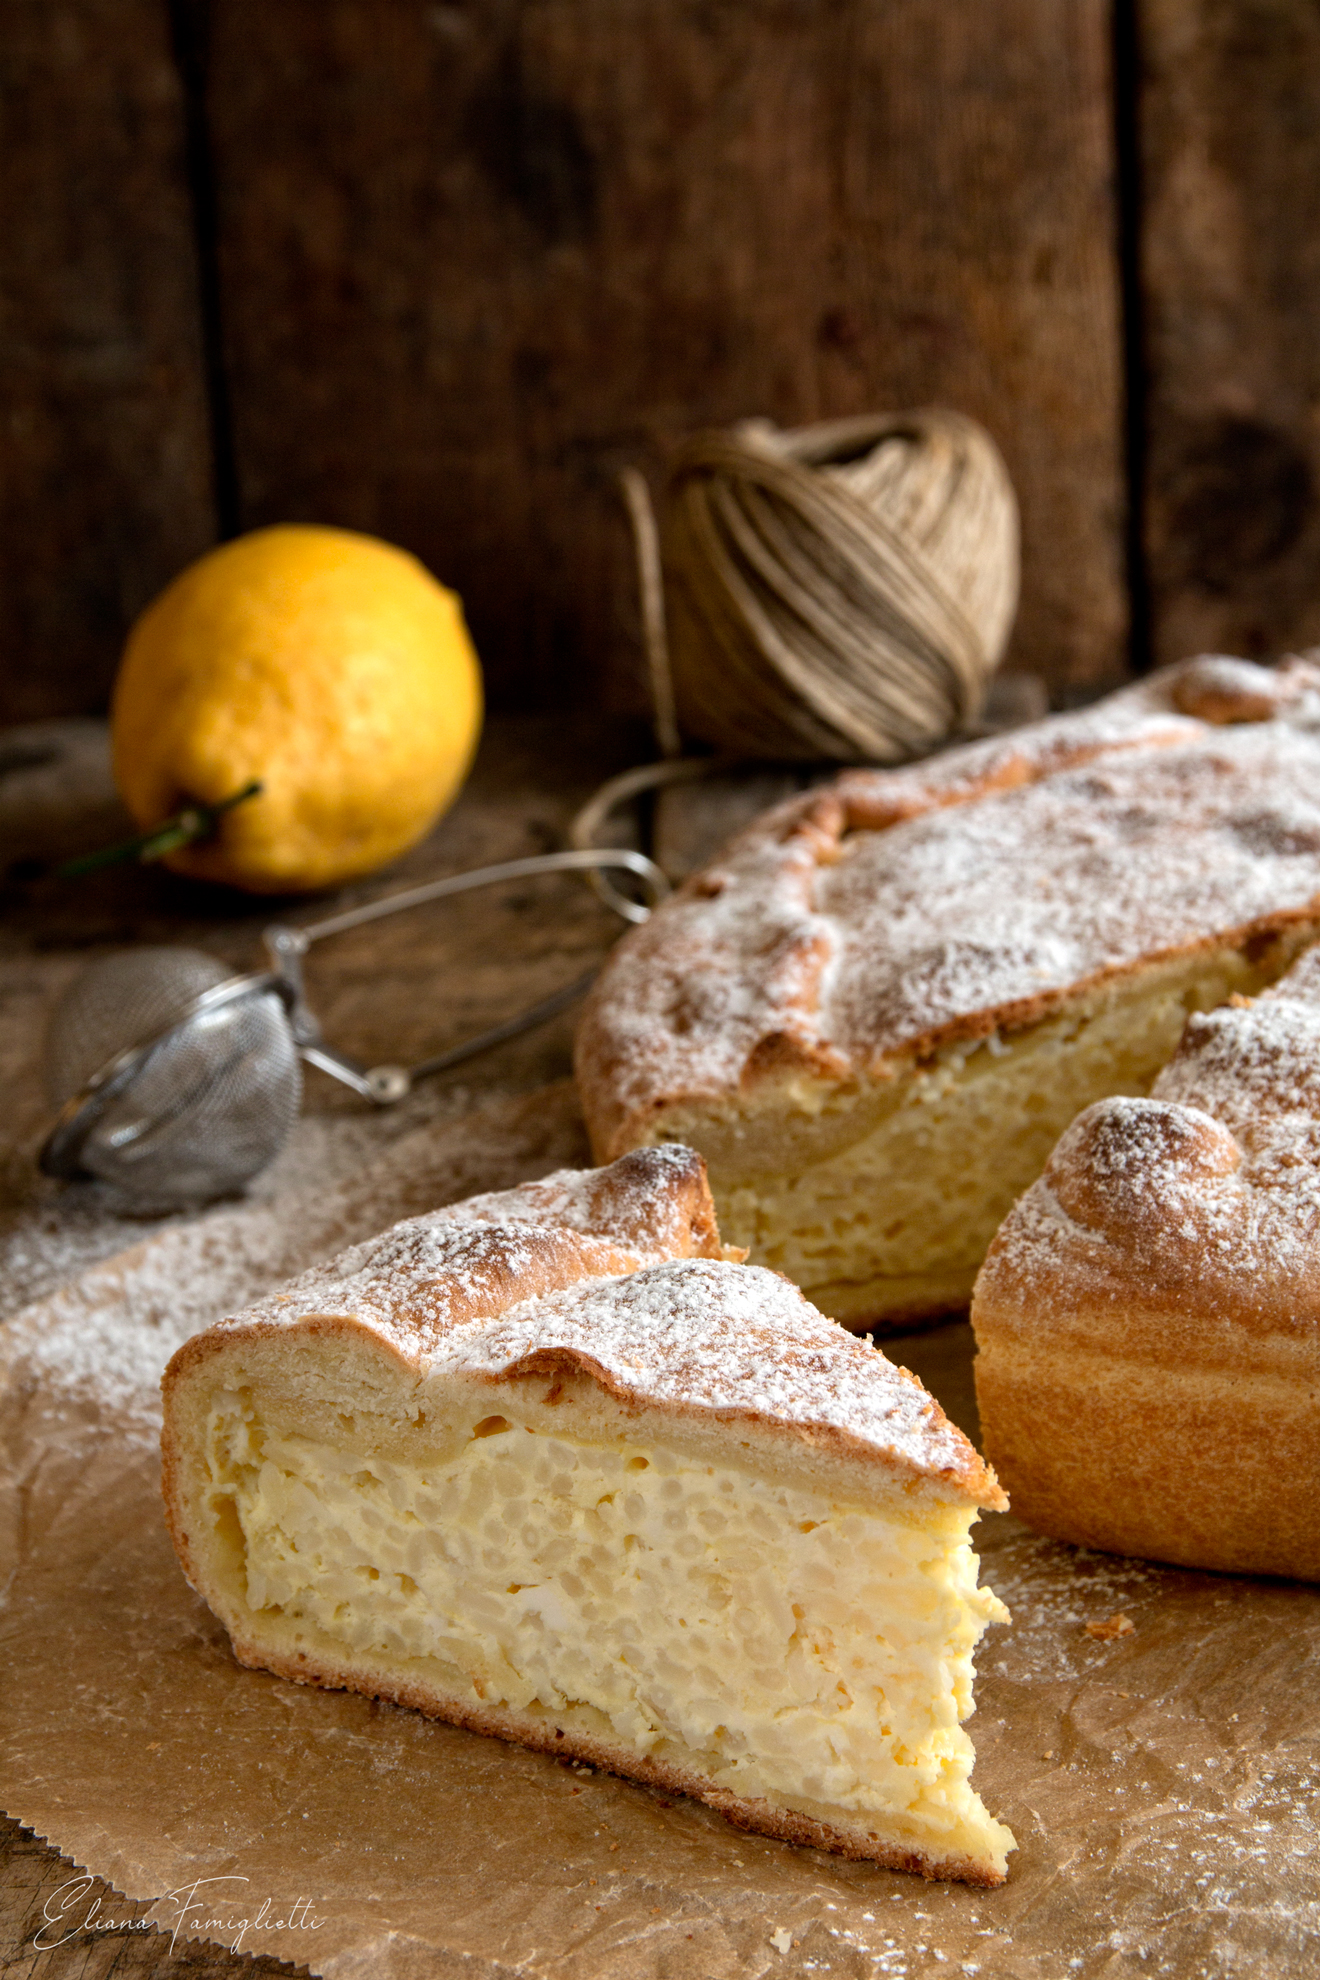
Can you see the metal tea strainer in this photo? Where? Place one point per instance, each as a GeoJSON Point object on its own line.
{"type": "Point", "coordinates": [177, 1082]}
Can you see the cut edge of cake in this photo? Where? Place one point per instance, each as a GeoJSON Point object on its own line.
{"type": "Point", "coordinates": [981, 1115]}
{"type": "Point", "coordinates": [737, 1020]}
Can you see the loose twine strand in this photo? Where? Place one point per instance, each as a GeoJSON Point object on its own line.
{"type": "Point", "coordinates": [841, 591]}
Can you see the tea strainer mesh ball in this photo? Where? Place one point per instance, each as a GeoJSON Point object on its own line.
{"type": "Point", "coordinates": [193, 1092]}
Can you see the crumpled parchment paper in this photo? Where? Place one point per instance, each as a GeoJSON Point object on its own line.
{"type": "Point", "coordinates": [1163, 1780]}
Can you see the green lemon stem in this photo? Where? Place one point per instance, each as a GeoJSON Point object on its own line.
{"type": "Point", "coordinates": [196, 821]}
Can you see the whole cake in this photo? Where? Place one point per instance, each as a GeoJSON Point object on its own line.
{"type": "Point", "coordinates": [548, 1465]}
{"type": "Point", "coordinates": [879, 1007]}
{"type": "Point", "coordinates": [1148, 1319]}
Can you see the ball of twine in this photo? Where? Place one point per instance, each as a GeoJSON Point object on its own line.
{"type": "Point", "coordinates": [838, 591]}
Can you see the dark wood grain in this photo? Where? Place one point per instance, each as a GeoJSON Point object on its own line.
{"type": "Point", "coordinates": [106, 481]}
{"type": "Point", "coordinates": [1231, 274]}
{"type": "Point", "coordinates": [476, 256]}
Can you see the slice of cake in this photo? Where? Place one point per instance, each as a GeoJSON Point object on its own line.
{"type": "Point", "coordinates": [1148, 1318]}
{"type": "Point", "coordinates": [878, 1009]}
{"type": "Point", "coordinates": [549, 1465]}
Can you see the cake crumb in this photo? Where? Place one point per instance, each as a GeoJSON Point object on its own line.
{"type": "Point", "coordinates": [1115, 1626]}
{"type": "Point", "coordinates": [782, 1940]}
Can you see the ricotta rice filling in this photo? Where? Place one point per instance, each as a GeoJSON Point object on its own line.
{"type": "Point", "coordinates": [899, 1218]}
{"type": "Point", "coordinates": [811, 1653]}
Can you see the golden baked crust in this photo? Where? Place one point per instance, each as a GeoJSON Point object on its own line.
{"type": "Point", "coordinates": [858, 936]}
{"type": "Point", "coordinates": [1148, 1318]}
{"type": "Point", "coordinates": [439, 1288]}
{"type": "Point", "coordinates": [606, 1291]}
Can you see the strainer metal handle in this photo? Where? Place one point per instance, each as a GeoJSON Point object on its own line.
{"type": "Point", "coordinates": [196, 1082]}
{"type": "Point", "coordinates": [385, 1084]}
{"type": "Point", "coordinates": [62, 1154]}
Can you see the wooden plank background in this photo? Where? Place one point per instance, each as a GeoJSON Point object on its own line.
{"type": "Point", "coordinates": [1231, 279]}
{"type": "Point", "coordinates": [536, 243]}
{"type": "Point", "coordinates": [105, 453]}
{"type": "Point", "coordinates": [439, 270]}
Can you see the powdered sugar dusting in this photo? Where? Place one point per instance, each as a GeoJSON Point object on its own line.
{"type": "Point", "coordinates": [732, 1339]}
{"type": "Point", "coordinates": [429, 1275]}
{"type": "Point", "coordinates": [737, 957]}
{"type": "Point", "coordinates": [646, 1201]}
{"type": "Point", "coordinates": [98, 1343]}
{"type": "Point", "coordinates": [1224, 689]}
{"type": "Point", "coordinates": [857, 924]}
{"type": "Point", "coordinates": [450, 1295]}
{"type": "Point", "coordinates": [1068, 879]}
{"type": "Point", "coordinates": [1210, 1189]}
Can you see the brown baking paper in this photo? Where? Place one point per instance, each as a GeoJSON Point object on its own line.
{"type": "Point", "coordinates": [1163, 1783]}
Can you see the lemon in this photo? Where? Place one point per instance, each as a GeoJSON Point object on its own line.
{"type": "Point", "coordinates": [328, 665]}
